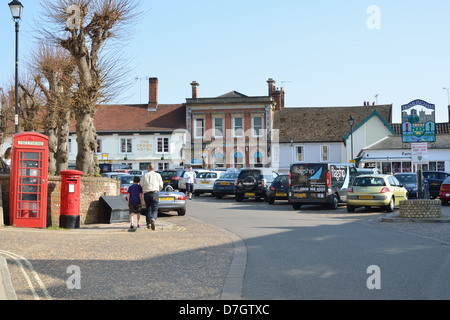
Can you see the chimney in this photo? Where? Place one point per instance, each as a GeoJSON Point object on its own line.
{"type": "Point", "coordinates": [271, 83]}
{"type": "Point", "coordinates": [194, 85]}
{"type": "Point", "coordinates": [276, 94]}
{"type": "Point", "coordinates": [153, 93]}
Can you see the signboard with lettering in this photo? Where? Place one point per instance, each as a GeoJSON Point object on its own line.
{"type": "Point", "coordinates": [418, 122]}
{"type": "Point", "coordinates": [419, 153]}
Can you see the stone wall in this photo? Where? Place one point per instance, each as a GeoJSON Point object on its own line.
{"type": "Point", "coordinates": [91, 191]}
{"type": "Point", "coordinates": [420, 208]}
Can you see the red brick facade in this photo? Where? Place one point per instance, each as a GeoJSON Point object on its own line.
{"type": "Point", "coordinates": [232, 130]}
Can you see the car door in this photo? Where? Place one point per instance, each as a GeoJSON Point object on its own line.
{"type": "Point", "coordinates": [398, 190]}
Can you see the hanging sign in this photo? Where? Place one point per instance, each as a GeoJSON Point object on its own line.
{"type": "Point", "coordinates": [418, 122]}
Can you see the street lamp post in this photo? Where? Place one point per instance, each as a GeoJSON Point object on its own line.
{"type": "Point", "coordinates": [16, 11]}
{"type": "Point", "coordinates": [351, 122]}
{"type": "Point", "coordinates": [448, 95]}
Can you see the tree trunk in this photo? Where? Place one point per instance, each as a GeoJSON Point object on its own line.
{"type": "Point", "coordinates": [52, 149]}
{"type": "Point", "coordinates": [62, 155]}
{"type": "Point", "coordinates": [87, 144]}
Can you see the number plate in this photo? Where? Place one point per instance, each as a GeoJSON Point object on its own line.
{"type": "Point", "coordinates": [167, 199]}
{"type": "Point", "coordinates": [365, 197]}
{"type": "Point", "coordinates": [300, 195]}
{"type": "Point", "coordinates": [280, 194]}
{"type": "Point", "coordinates": [205, 182]}
{"type": "Point", "coordinates": [249, 194]}
{"type": "Point", "coordinates": [224, 183]}
{"type": "Point", "coordinates": [166, 181]}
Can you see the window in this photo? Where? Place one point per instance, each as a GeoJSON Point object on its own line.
{"type": "Point", "coordinates": [99, 146]}
{"type": "Point", "coordinates": [218, 160]}
{"type": "Point", "coordinates": [257, 126]}
{"type": "Point", "coordinates": [238, 160]}
{"type": "Point", "coordinates": [162, 145]}
{"type": "Point", "coordinates": [163, 166]}
{"type": "Point", "coordinates": [324, 153]}
{"type": "Point", "coordinates": [299, 156]}
{"type": "Point", "coordinates": [238, 127]}
{"type": "Point", "coordinates": [126, 145]}
{"type": "Point", "coordinates": [218, 127]}
{"type": "Point", "coordinates": [199, 128]}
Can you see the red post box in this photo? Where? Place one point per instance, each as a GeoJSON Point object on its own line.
{"type": "Point", "coordinates": [69, 217]}
{"type": "Point", "coordinates": [28, 181]}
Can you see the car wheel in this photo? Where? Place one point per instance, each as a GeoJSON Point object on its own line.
{"type": "Point", "coordinates": [271, 200]}
{"type": "Point", "coordinates": [333, 204]}
{"type": "Point", "coordinates": [239, 197]}
{"type": "Point", "coordinates": [219, 196]}
{"type": "Point", "coordinates": [296, 206]}
{"type": "Point", "coordinates": [390, 206]}
{"type": "Point", "coordinates": [196, 193]}
{"type": "Point", "coordinates": [181, 212]}
{"type": "Point", "coordinates": [350, 208]}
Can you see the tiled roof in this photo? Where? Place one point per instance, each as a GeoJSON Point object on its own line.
{"type": "Point", "coordinates": [396, 142]}
{"type": "Point", "coordinates": [327, 124]}
{"type": "Point", "coordinates": [137, 118]}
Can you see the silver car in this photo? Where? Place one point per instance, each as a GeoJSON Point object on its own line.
{"type": "Point", "coordinates": [172, 201]}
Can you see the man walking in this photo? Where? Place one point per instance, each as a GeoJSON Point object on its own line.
{"type": "Point", "coordinates": [151, 185]}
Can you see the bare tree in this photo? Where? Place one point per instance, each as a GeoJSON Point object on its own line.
{"type": "Point", "coordinates": [55, 77]}
{"type": "Point", "coordinates": [83, 27]}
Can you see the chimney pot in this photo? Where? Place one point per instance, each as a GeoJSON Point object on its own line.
{"type": "Point", "coordinates": [195, 86]}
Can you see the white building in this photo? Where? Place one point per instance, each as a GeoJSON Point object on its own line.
{"type": "Point", "coordinates": [325, 135]}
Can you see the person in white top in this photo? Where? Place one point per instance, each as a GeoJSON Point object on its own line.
{"type": "Point", "coordinates": [151, 184]}
{"type": "Point", "coordinates": [190, 177]}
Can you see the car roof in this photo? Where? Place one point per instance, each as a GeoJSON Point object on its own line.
{"type": "Point", "coordinates": [374, 175]}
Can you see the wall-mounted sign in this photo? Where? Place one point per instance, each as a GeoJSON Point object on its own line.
{"type": "Point", "coordinates": [418, 122]}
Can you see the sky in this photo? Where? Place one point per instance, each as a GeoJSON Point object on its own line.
{"type": "Point", "coordinates": [322, 52]}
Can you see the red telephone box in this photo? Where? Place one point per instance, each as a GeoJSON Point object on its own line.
{"type": "Point", "coordinates": [28, 180]}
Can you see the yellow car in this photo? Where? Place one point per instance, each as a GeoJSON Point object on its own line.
{"type": "Point", "coordinates": [376, 190]}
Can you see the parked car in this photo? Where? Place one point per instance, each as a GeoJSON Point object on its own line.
{"type": "Point", "coordinates": [126, 180]}
{"type": "Point", "coordinates": [320, 183]}
{"type": "Point", "coordinates": [376, 190]}
{"type": "Point", "coordinates": [171, 177]}
{"type": "Point", "coordinates": [172, 201]}
{"type": "Point", "coordinates": [279, 190]}
{"type": "Point", "coordinates": [137, 172]}
{"type": "Point", "coordinates": [113, 175]}
{"type": "Point", "coordinates": [444, 194]}
{"type": "Point", "coordinates": [409, 181]}
{"type": "Point", "coordinates": [360, 171]}
{"type": "Point", "coordinates": [182, 181]}
{"type": "Point", "coordinates": [253, 183]}
{"type": "Point", "coordinates": [225, 184]}
{"type": "Point", "coordinates": [110, 167]}
{"type": "Point", "coordinates": [435, 179]}
{"type": "Point", "coordinates": [204, 183]}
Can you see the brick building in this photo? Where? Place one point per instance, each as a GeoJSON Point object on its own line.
{"type": "Point", "coordinates": [231, 130]}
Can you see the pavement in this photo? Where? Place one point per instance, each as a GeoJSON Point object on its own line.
{"type": "Point", "coordinates": [187, 236]}
{"type": "Point", "coordinates": [216, 259]}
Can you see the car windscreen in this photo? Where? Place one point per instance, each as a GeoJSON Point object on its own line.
{"type": "Point", "coordinates": [229, 175]}
{"type": "Point", "coordinates": [369, 182]}
{"type": "Point", "coordinates": [207, 175]}
{"type": "Point", "coordinates": [168, 174]}
{"type": "Point", "coordinates": [406, 178]}
{"type": "Point", "coordinates": [257, 174]}
{"type": "Point", "coordinates": [126, 179]}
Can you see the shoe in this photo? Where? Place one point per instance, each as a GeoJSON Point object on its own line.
{"type": "Point", "coordinates": [139, 225]}
{"type": "Point", "coordinates": [131, 226]}
{"type": "Point", "coordinates": [152, 223]}
{"type": "Point", "coordinates": [148, 226]}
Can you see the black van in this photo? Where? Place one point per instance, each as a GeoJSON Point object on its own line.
{"type": "Point", "coordinates": [320, 183]}
{"type": "Point", "coordinates": [110, 167]}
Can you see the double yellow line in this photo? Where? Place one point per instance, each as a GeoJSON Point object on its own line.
{"type": "Point", "coordinates": [25, 265]}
